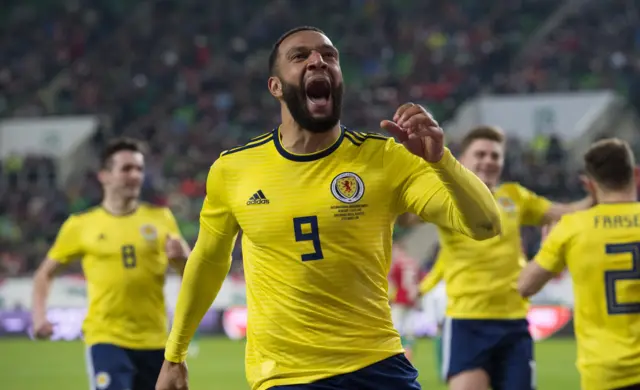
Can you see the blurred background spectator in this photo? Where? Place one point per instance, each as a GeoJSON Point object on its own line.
{"type": "Point", "coordinates": [189, 78]}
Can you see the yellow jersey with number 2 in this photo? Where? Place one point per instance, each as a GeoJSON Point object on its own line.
{"type": "Point", "coordinates": [124, 263]}
{"type": "Point", "coordinates": [601, 247]}
{"type": "Point", "coordinates": [481, 276]}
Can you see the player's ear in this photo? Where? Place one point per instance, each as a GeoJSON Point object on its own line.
{"type": "Point", "coordinates": [636, 174]}
{"type": "Point", "coordinates": [102, 176]}
{"type": "Point", "coordinates": [588, 185]}
{"type": "Point", "coordinates": [275, 87]}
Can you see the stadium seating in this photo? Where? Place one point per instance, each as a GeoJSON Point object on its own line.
{"type": "Point", "coordinates": [189, 77]}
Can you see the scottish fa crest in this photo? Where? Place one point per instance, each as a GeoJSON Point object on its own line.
{"type": "Point", "coordinates": [507, 204]}
{"type": "Point", "coordinates": [347, 187]}
{"type": "Point", "coordinates": [149, 232]}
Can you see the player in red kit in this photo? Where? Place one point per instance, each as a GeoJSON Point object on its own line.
{"type": "Point", "coordinates": [404, 278]}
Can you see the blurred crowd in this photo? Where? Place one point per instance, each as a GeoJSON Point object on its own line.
{"type": "Point", "coordinates": [189, 78]}
{"type": "Point", "coordinates": [596, 47]}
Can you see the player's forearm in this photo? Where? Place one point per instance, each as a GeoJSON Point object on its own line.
{"type": "Point", "coordinates": [532, 279]}
{"type": "Point", "coordinates": [41, 287]}
{"type": "Point", "coordinates": [476, 212]}
{"type": "Point", "coordinates": [204, 274]}
{"type": "Point", "coordinates": [557, 210]}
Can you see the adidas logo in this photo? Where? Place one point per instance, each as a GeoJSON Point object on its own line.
{"type": "Point", "coordinates": [258, 198]}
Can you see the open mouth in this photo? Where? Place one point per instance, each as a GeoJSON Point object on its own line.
{"type": "Point", "coordinates": [318, 91]}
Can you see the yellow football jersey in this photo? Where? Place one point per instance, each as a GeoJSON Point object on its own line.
{"type": "Point", "coordinates": [317, 248]}
{"type": "Point", "coordinates": [601, 247]}
{"type": "Point", "coordinates": [124, 262]}
{"type": "Point", "coordinates": [481, 276]}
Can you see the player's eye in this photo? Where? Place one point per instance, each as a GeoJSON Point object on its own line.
{"type": "Point", "coordinates": [299, 56]}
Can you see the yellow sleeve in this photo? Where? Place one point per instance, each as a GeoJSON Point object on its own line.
{"type": "Point", "coordinates": [433, 278]}
{"type": "Point", "coordinates": [207, 266]}
{"type": "Point", "coordinates": [533, 206]}
{"type": "Point", "coordinates": [171, 223]}
{"type": "Point", "coordinates": [444, 193]}
{"type": "Point", "coordinates": [67, 246]}
{"type": "Point", "coordinates": [552, 254]}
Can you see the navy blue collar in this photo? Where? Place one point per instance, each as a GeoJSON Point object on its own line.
{"type": "Point", "coordinates": [306, 157]}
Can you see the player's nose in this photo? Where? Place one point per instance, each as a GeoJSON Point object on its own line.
{"type": "Point", "coordinates": [315, 61]}
{"type": "Point", "coordinates": [135, 176]}
{"type": "Point", "coordinates": [486, 160]}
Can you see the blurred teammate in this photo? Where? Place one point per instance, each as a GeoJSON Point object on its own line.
{"type": "Point", "coordinates": [601, 247]}
{"type": "Point", "coordinates": [124, 246]}
{"type": "Point", "coordinates": [316, 203]}
{"type": "Point", "coordinates": [403, 285]}
{"type": "Point", "coordinates": [486, 342]}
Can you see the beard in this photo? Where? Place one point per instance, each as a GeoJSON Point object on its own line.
{"type": "Point", "coordinates": [295, 98]}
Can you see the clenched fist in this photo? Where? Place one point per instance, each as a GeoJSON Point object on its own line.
{"type": "Point", "coordinates": [173, 376]}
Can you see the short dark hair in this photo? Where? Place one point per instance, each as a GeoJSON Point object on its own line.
{"type": "Point", "coordinates": [610, 163]}
{"type": "Point", "coordinates": [273, 56]}
{"type": "Point", "coordinates": [118, 145]}
{"type": "Point", "coordinates": [491, 133]}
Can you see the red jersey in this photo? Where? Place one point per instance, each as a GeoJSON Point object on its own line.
{"type": "Point", "coordinates": [404, 278]}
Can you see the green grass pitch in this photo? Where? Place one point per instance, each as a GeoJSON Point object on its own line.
{"type": "Point", "coordinates": [30, 365]}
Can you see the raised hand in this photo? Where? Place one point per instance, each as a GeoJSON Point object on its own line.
{"type": "Point", "coordinates": [417, 130]}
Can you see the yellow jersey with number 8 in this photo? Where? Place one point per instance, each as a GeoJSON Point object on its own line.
{"type": "Point", "coordinates": [124, 263]}
{"type": "Point", "coordinates": [601, 247]}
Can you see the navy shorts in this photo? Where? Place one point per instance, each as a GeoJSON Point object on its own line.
{"type": "Point", "coordinates": [502, 348]}
{"type": "Point", "coordinates": [394, 373]}
{"type": "Point", "coordinates": [115, 368]}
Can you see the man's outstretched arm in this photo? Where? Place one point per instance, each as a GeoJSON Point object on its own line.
{"type": "Point", "coordinates": [204, 274]}
{"type": "Point", "coordinates": [431, 182]}
{"type": "Point", "coordinates": [207, 265]}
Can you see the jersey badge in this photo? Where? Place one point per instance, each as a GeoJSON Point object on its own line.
{"type": "Point", "coordinates": [103, 380]}
{"type": "Point", "coordinates": [506, 204]}
{"type": "Point", "coordinates": [149, 232]}
{"type": "Point", "coordinates": [347, 187]}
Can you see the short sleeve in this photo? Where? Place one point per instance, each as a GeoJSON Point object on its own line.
{"type": "Point", "coordinates": [67, 247]}
{"type": "Point", "coordinates": [552, 254]}
{"type": "Point", "coordinates": [533, 206]}
{"type": "Point", "coordinates": [216, 215]}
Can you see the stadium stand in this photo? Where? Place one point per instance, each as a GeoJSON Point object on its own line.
{"type": "Point", "coordinates": [189, 77]}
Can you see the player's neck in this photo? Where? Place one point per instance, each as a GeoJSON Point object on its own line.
{"type": "Point", "coordinates": [119, 206]}
{"type": "Point", "coordinates": [625, 196]}
{"type": "Point", "coordinates": [297, 140]}
{"type": "Point", "coordinates": [617, 198]}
